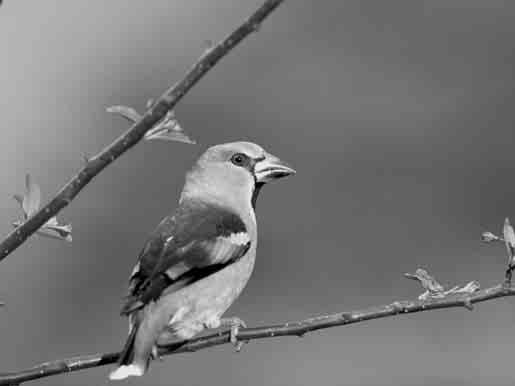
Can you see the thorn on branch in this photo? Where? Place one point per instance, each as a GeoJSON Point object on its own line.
{"type": "Point", "coordinates": [468, 304]}
{"type": "Point", "coordinates": [399, 307]}
{"type": "Point", "coordinates": [150, 103]}
{"type": "Point", "coordinates": [30, 202]}
{"type": "Point", "coordinates": [210, 45]}
{"type": "Point", "coordinates": [85, 159]}
{"type": "Point", "coordinates": [346, 316]}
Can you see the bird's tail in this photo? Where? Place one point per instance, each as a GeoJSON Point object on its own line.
{"type": "Point", "coordinates": [128, 364]}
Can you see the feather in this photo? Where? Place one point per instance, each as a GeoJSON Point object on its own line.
{"type": "Point", "coordinates": [197, 241]}
{"type": "Point", "coordinates": [125, 371]}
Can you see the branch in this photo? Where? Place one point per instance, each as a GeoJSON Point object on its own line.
{"type": "Point", "coordinates": [132, 136]}
{"type": "Point", "coordinates": [435, 297]}
{"type": "Point", "coordinates": [297, 328]}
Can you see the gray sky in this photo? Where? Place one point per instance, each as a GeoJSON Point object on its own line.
{"type": "Point", "coordinates": [397, 115]}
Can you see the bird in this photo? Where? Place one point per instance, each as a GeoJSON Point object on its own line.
{"type": "Point", "coordinates": [197, 261]}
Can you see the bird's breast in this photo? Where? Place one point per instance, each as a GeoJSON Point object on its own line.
{"type": "Point", "coordinates": [220, 290]}
{"type": "Point", "coordinates": [208, 298]}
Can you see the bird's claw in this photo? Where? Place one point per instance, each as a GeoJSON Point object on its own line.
{"type": "Point", "coordinates": [234, 337]}
{"type": "Point", "coordinates": [234, 323]}
{"type": "Point", "coordinates": [155, 354]}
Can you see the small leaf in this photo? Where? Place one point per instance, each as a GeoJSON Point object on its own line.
{"type": "Point", "coordinates": [52, 230]}
{"type": "Point", "coordinates": [488, 237]}
{"type": "Point", "coordinates": [428, 282]}
{"type": "Point", "coordinates": [469, 288]}
{"type": "Point", "coordinates": [435, 290]}
{"type": "Point", "coordinates": [19, 199]}
{"type": "Point", "coordinates": [57, 231]}
{"type": "Point", "coordinates": [127, 112]}
{"type": "Point", "coordinates": [30, 204]}
{"type": "Point", "coordinates": [32, 197]}
{"type": "Point", "coordinates": [170, 136]}
{"type": "Point", "coordinates": [168, 130]}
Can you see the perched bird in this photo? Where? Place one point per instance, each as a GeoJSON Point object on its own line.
{"type": "Point", "coordinates": [197, 261]}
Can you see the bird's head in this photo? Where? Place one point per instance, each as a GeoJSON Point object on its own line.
{"type": "Point", "coordinates": [233, 171]}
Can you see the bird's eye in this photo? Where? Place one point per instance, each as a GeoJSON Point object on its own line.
{"type": "Point", "coordinates": [239, 159]}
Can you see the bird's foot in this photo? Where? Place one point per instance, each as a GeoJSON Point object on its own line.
{"type": "Point", "coordinates": [234, 323]}
{"type": "Point", "coordinates": [155, 354]}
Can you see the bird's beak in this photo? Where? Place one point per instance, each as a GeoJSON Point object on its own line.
{"type": "Point", "coordinates": [271, 168]}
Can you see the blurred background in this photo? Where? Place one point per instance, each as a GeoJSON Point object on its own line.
{"type": "Point", "coordinates": [397, 115]}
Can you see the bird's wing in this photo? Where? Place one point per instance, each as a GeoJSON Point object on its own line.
{"type": "Point", "coordinates": [197, 241]}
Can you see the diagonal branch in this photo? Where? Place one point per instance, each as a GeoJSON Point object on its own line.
{"type": "Point", "coordinates": [132, 136]}
{"type": "Point", "coordinates": [297, 328]}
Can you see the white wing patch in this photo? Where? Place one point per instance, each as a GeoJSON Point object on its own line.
{"type": "Point", "coordinates": [219, 250]}
{"type": "Point", "coordinates": [177, 270]}
{"type": "Point", "coordinates": [223, 248]}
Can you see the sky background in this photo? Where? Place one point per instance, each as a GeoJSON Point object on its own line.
{"type": "Point", "coordinates": [398, 116]}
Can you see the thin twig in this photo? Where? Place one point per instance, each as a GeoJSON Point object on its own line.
{"type": "Point", "coordinates": [132, 136]}
{"type": "Point", "coordinates": [297, 328]}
